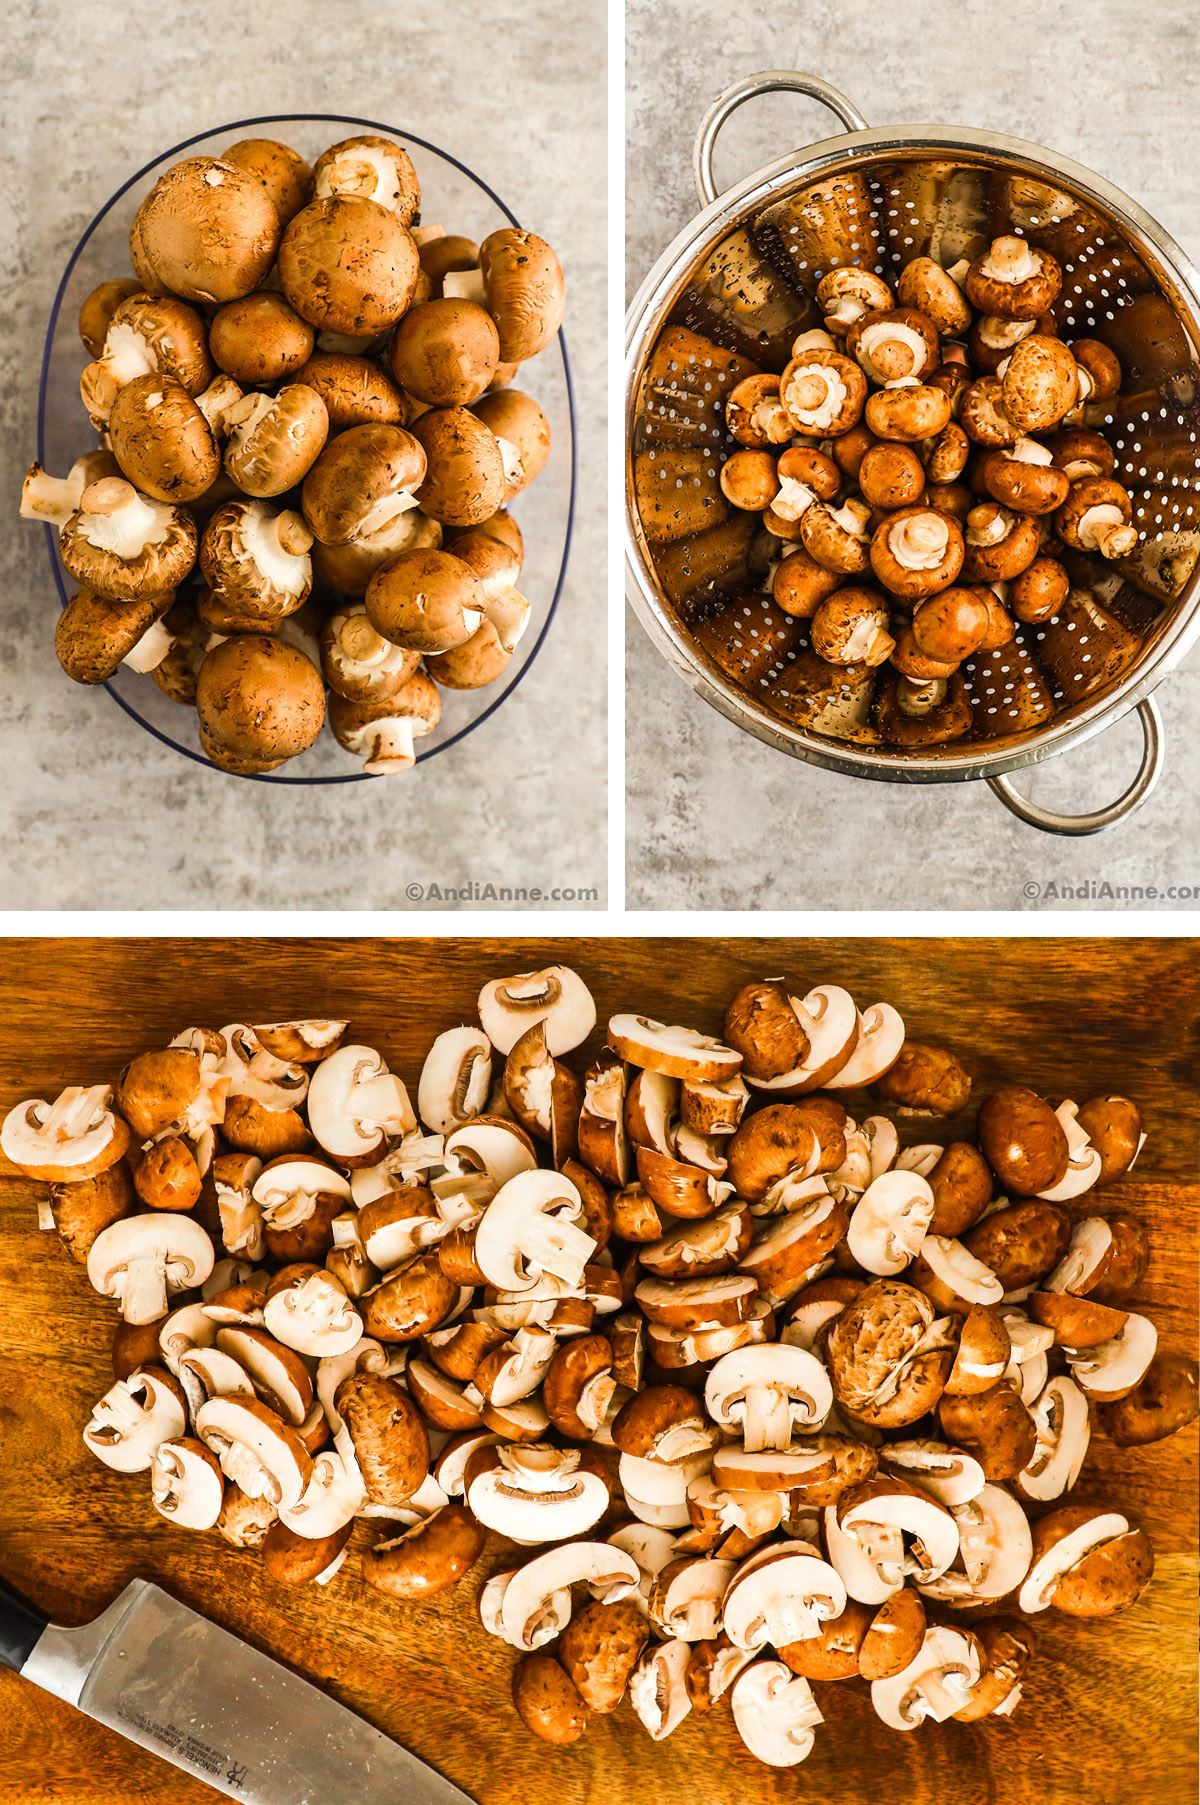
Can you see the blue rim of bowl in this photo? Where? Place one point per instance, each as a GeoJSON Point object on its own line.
{"type": "Point", "coordinates": [371, 125]}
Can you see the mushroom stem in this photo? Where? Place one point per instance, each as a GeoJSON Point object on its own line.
{"type": "Point", "coordinates": [50, 498]}
{"type": "Point", "coordinates": [154, 645]}
{"type": "Point", "coordinates": [219, 399]}
{"type": "Point", "coordinates": [386, 509]}
{"type": "Point", "coordinates": [766, 1419]}
{"type": "Point", "coordinates": [553, 1244]}
{"type": "Point", "coordinates": [360, 642]}
{"type": "Point", "coordinates": [144, 1289]}
{"type": "Point", "coordinates": [465, 285]}
{"type": "Point", "coordinates": [113, 517]}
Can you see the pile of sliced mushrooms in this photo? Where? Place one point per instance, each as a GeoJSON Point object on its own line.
{"type": "Point", "coordinates": [761, 1393]}
{"type": "Point", "coordinates": [926, 467]}
{"type": "Point", "coordinates": [303, 400]}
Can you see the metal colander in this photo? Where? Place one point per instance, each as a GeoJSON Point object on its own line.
{"type": "Point", "coordinates": [729, 296]}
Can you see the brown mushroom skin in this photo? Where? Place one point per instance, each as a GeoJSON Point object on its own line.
{"type": "Point", "coordinates": [891, 476]}
{"type": "Point", "coordinates": [834, 1654]}
{"type": "Point", "coordinates": [410, 1302]}
{"type": "Point", "coordinates": [600, 1648]}
{"type": "Point", "coordinates": [445, 352]}
{"type": "Point", "coordinates": [1007, 557]}
{"type": "Point", "coordinates": [279, 170]}
{"type": "Point", "coordinates": [750, 480]}
{"type": "Point", "coordinates": [908, 415]}
{"type": "Point", "coordinates": [962, 1189]}
{"type": "Point", "coordinates": [259, 339]}
{"type": "Point", "coordinates": [1106, 1581]}
{"type": "Point", "coordinates": [429, 1558]}
{"type": "Point", "coordinates": [1164, 1402]}
{"type": "Point", "coordinates": [766, 1145]}
{"type": "Point", "coordinates": [84, 1208]}
{"type": "Point", "coordinates": [368, 249]}
{"type": "Point", "coordinates": [1102, 365]}
{"type": "Point", "coordinates": [93, 635]}
{"type": "Point", "coordinates": [1114, 1127]}
{"type": "Point", "coordinates": [295, 1560]}
{"type": "Point", "coordinates": [167, 1176]}
{"type": "Point", "coordinates": [95, 316]}
{"type": "Point", "coordinates": [162, 441]}
{"type": "Point", "coordinates": [864, 1339]}
{"type": "Point", "coordinates": [1022, 1141]}
{"type": "Point", "coordinates": [464, 480]}
{"type": "Point", "coordinates": [894, 1637]}
{"type": "Point", "coordinates": [1129, 1260]}
{"type": "Point", "coordinates": [356, 392]}
{"type": "Point", "coordinates": [1076, 1322]}
{"type": "Point", "coordinates": [1039, 591]}
{"type": "Point", "coordinates": [207, 231]}
{"type": "Point", "coordinates": [260, 697]}
{"type": "Point", "coordinates": [1021, 1243]}
{"type": "Point", "coordinates": [1008, 1646]}
{"type": "Point", "coordinates": [952, 625]}
{"type": "Point", "coordinates": [1040, 383]}
{"type": "Point", "coordinates": [1028, 488]}
{"type": "Point", "coordinates": [547, 1699]}
{"type": "Point", "coordinates": [800, 584]}
{"type": "Point", "coordinates": [391, 1443]}
{"type": "Point", "coordinates": [925, 1081]}
{"type": "Point", "coordinates": [155, 1088]}
{"type": "Point", "coordinates": [310, 1241]}
{"type": "Point", "coordinates": [426, 601]}
{"type": "Point", "coordinates": [992, 1425]}
{"type": "Point", "coordinates": [762, 1026]}
{"type": "Point", "coordinates": [134, 1345]}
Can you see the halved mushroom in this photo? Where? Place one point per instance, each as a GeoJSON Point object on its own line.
{"type": "Point", "coordinates": [603, 1142]}
{"type": "Point", "coordinates": [983, 1354]}
{"type": "Point", "coordinates": [133, 1419]}
{"type": "Point", "coordinates": [427, 1558]}
{"type": "Point", "coordinates": [530, 1228]}
{"type": "Point", "coordinates": [1110, 1369]}
{"type": "Point", "coordinates": [775, 1713]}
{"type": "Point", "coordinates": [535, 1493]}
{"type": "Point", "coordinates": [142, 1260]}
{"type": "Point", "coordinates": [579, 1386]}
{"type": "Point", "coordinates": [687, 1594]}
{"type": "Point", "coordinates": [77, 1137]}
{"type": "Point", "coordinates": [1087, 1561]}
{"type": "Point", "coordinates": [936, 1684]}
{"type": "Point", "coordinates": [664, 1423]}
{"type": "Point", "coordinates": [313, 1315]}
{"type": "Point", "coordinates": [768, 1392]}
{"type": "Point", "coordinates": [946, 1473]}
{"type": "Point", "coordinates": [556, 996]}
{"type": "Point", "coordinates": [658, 1688]}
{"type": "Point", "coordinates": [455, 1079]}
{"type": "Point", "coordinates": [889, 1222]}
{"type": "Point", "coordinates": [994, 1552]}
{"type": "Point", "coordinates": [780, 1596]}
{"type": "Point", "coordinates": [1060, 1418]}
{"type": "Point", "coordinates": [257, 1450]}
{"type": "Point", "coordinates": [355, 1103]}
{"type": "Point", "coordinates": [186, 1484]}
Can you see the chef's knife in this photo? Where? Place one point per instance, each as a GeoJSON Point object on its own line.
{"type": "Point", "coordinates": [164, 1677]}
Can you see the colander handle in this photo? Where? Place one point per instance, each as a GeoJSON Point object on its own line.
{"type": "Point", "coordinates": [1139, 789]}
{"type": "Point", "coordinates": [773, 81]}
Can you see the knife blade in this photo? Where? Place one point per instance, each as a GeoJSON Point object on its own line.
{"type": "Point", "coordinates": [164, 1677]}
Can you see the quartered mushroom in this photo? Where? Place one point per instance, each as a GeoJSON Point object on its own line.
{"type": "Point", "coordinates": [995, 1548]}
{"type": "Point", "coordinates": [1110, 1369]}
{"type": "Point", "coordinates": [531, 1228]}
{"type": "Point", "coordinates": [313, 1315]}
{"type": "Point", "coordinates": [557, 997]}
{"type": "Point", "coordinates": [186, 1484]}
{"type": "Point", "coordinates": [673, 1052]}
{"type": "Point", "coordinates": [889, 1222]}
{"type": "Point", "coordinates": [936, 1684]}
{"type": "Point", "coordinates": [1087, 1561]}
{"type": "Point", "coordinates": [428, 1557]}
{"type": "Point", "coordinates": [134, 1418]}
{"type": "Point", "coordinates": [658, 1688]}
{"type": "Point", "coordinates": [355, 1103]}
{"type": "Point", "coordinates": [1007, 1649]}
{"type": "Point", "coordinates": [775, 1713]}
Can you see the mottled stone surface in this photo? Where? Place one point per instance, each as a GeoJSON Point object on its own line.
{"type": "Point", "coordinates": [717, 820]}
{"type": "Point", "coordinates": [93, 813]}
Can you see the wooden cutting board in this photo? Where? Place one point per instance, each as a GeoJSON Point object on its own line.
{"type": "Point", "coordinates": [1109, 1708]}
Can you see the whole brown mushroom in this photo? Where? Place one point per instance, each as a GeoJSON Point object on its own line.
{"type": "Point", "coordinates": [260, 698]}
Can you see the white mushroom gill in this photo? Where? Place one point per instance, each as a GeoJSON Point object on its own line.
{"type": "Point", "coordinates": [126, 527]}
{"type": "Point", "coordinates": [815, 396]}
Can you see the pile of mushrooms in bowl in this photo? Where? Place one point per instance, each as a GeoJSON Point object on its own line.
{"type": "Point", "coordinates": [928, 470]}
{"type": "Point", "coordinates": [751, 1392]}
{"type": "Point", "coordinates": [312, 419]}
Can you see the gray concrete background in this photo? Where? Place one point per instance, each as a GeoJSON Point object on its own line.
{"type": "Point", "coordinates": [717, 820]}
{"type": "Point", "coordinates": [93, 813]}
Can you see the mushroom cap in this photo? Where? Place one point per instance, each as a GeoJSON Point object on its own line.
{"type": "Point", "coordinates": [357, 474]}
{"type": "Point", "coordinates": [547, 1700]}
{"type": "Point", "coordinates": [386, 1434]}
{"type": "Point", "coordinates": [74, 1138]}
{"type": "Point", "coordinates": [1163, 1401]}
{"type": "Point", "coordinates": [1022, 1242]}
{"type": "Point", "coordinates": [356, 392]}
{"type": "Point", "coordinates": [599, 1649]}
{"type": "Point", "coordinates": [255, 1447]}
{"type": "Point", "coordinates": [426, 601]}
{"type": "Point", "coordinates": [208, 230]}
{"type": "Point", "coordinates": [134, 1417]}
{"type": "Point", "coordinates": [294, 1560]}
{"type": "Point", "coordinates": [374, 168]}
{"type": "Point", "coordinates": [259, 339]}
{"type": "Point", "coordinates": [256, 562]}
{"type": "Point", "coordinates": [1022, 1140]}
{"type": "Point", "coordinates": [464, 481]}
{"type": "Point", "coordinates": [526, 293]}
{"type": "Point", "coordinates": [348, 265]}
{"type": "Point", "coordinates": [429, 1557]}
{"type": "Point", "coordinates": [279, 170]}
{"type": "Point", "coordinates": [122, 546]}
{"type": "Point", "coordinates": [1087, 1562]}
{"type": "Point", "coordinates": [522, 432]}
{"type": "Point", "coordinates": [445, 351]}
{"type": "Point", "coordinates": [1040, 383]}
{"type": "Point", "coordinates": [994, 1426]}
{"type": "Point", "coordinates": [99, 307]}
{"type": "Point", "coordinates": [260, 697]}
{"type": "Point", "coordinates": [93, 636]}
{"type": "Point", "coordinates": [887, 1359]}
{"type": "Point", "coordinates": [1114, 1127]}
{"type": "Point", "coordinates": [276, 439]}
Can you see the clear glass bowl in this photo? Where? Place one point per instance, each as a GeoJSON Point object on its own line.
{"type": "Point", "coordinates": [461, 201]}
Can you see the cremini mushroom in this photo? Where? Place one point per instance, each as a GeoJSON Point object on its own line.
{"type": "Point", "coordinates": [1013, 279]}
{"type": "Point", "coordinates": [123, 546]}
{"type": "Point", "coordinates": [207, 230]}
{"type": "Point", "coordinates": [259, 699]}
{"type": "Point", "coordinates": [274, 440]}
{"type": "Point", "coordinates": [133, 1419]}
{"type": "Point", "coordinates": [364, 478]}
{"type": "Point", "coordinates": [256, 562]}
{"type": "Point", "coordinates": [348, 265]}
{"type": "Point", "coordinates": [142, 1260]}
{"type": "Point", "coordinates": [1096, 516]}
{"type": "Point", "coordinates": [520, 282]}
{"type": "Point", "coordinates": [1087, 1561]}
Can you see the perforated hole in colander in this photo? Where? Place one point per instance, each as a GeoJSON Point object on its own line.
{"type": "Point", "coordinates": [748, 298]}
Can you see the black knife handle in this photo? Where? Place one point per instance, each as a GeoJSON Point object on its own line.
{"type": "Point", "coordinates": [21, 1627]}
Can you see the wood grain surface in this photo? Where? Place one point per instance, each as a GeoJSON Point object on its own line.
{"type": "Point", "coordinates": [1108, 1711]}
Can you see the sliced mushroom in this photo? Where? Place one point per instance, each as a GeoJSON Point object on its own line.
{"type": "Point", "coordinates": [782, 1597]}
{"type": "Point", "coordinates": [134, 1418]}
{"type": "Point", "coordinates": [936, 1684]}
{"type": "Point", "coordinates": [354, 1103]}
{"type": "Point", "coordinates": [186, 1484]}
{"type": "Point", "coordinates": [142, 1260]}
{"type": "Point", "coordinates": [557, 996]}
{"type": "Point", "coordinates": [1087, 1561]}
{"type": "Point", "coordinates": [536, 1493]}
{"type": "Point", "coordinates": [775, 1713]}
{"type": "Point", "coordinates": [78, 1136]}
